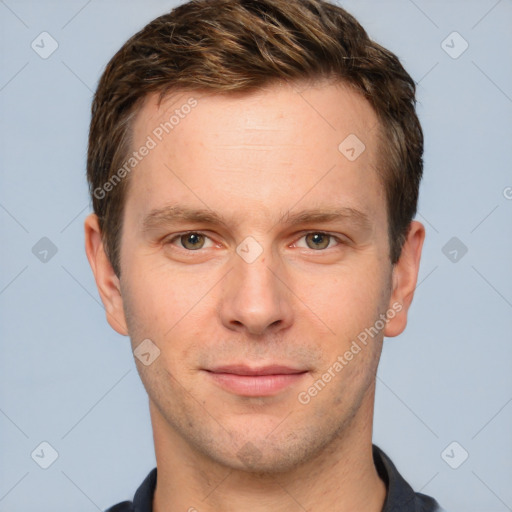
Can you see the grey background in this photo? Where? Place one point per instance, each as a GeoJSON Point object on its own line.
{"type": "Point", "coordinates": [68, 379]}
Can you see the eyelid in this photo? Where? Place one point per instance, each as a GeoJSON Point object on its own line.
{"type": "Point", "coordinates": [336, 237]}
{"type": "Point", "coordinates": [177, 236]}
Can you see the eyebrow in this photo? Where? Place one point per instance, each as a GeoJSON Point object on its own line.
{"type": "Point", "coordinates": [171, 214]}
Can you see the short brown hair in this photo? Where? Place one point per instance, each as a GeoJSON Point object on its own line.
{"type": "Point", "coordinates": [242, 45]}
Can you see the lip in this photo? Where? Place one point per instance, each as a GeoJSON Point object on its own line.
{"type": "Point", "coordinates": [242, 369]}
{"type": "Point", "coordinates": [249, 381]}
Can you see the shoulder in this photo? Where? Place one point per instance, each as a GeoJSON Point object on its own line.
{"type": "Point", "coordinates": [125, 506]}
{"type": "Point", "coordinates": [143, 499]}
{"type": "Point", "coordinates": [400, 495]}
{"type": "Point", "coordinates": [423, 503]}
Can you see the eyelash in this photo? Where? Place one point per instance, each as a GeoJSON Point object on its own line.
{"type": "Point", "coordinates": [179, 235]}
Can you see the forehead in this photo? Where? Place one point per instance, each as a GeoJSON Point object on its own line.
{"type": "Point", "coordinates": [323, 103]}
{"type": "Point", "coordinates": [320, 140]}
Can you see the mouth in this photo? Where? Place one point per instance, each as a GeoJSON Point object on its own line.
{"type": "Point", "coordinates": [250, 381]}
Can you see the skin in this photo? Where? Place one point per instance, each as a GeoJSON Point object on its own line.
{"type": "Point", "coordinates": [253, 159]}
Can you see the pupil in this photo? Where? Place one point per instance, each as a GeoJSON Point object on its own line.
{"type": "Point", "coordinates": [319, 240]}
{"type": "Point", "coordinates": [192, 240]}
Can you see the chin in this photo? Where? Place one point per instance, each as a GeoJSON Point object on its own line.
{"type": "Point", "coordinates": [264, 456]}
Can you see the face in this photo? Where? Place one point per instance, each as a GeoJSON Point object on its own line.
{"type": "Point", "coordinates": [255, 257]}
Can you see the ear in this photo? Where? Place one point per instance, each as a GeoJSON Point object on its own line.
{"type": "Point", "coordinates": [106, 280]}
{"type": "Point", "coordinates": [404, 277]}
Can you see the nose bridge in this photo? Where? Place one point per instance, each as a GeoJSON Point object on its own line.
{"type": "Point", "coordinates": [255, 298]}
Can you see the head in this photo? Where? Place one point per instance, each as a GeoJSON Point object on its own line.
{"type": "Point", "coordinates": [285, 143]}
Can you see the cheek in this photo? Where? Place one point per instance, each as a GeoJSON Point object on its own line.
{"type": "Point", "coordinates": [159, 298]}
{"type": "Point", "coordinates": [346, 300]}
{"type": "Point", "coordinates": [169, 309]}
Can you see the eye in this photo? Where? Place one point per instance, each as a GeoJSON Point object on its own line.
{"type": "Point", "coordinates": [192, 240]}
{"type": "Point", "coordinates": [318, 240]}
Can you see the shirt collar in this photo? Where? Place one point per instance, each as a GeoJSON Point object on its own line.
{"type": "Point", "coordinates": [399, 495]}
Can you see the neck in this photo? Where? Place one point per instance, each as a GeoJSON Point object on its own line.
{"type": "Point", "coordinates": [341, 477]}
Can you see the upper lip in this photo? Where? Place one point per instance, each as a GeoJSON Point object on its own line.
{"type": "Point", "coordinates": [241, 369]}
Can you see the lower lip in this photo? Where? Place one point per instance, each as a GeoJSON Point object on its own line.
{"type": "Point", "coordinates": [255, 385]}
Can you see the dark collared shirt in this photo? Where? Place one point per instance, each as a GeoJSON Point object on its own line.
{"type": "Point", "coordinates": [400, 496]}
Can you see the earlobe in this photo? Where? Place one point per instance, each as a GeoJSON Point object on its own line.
{"type": "Point", "coordinates": [106, 280]}
{"type": "Point", "coordinates": [405, 276]}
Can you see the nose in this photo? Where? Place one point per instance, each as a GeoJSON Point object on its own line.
{"type": "Point", "coordinates": [256, 299]}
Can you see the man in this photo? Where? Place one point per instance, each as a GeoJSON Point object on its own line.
{"type": "Point", "coordinates": [254, 168]}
